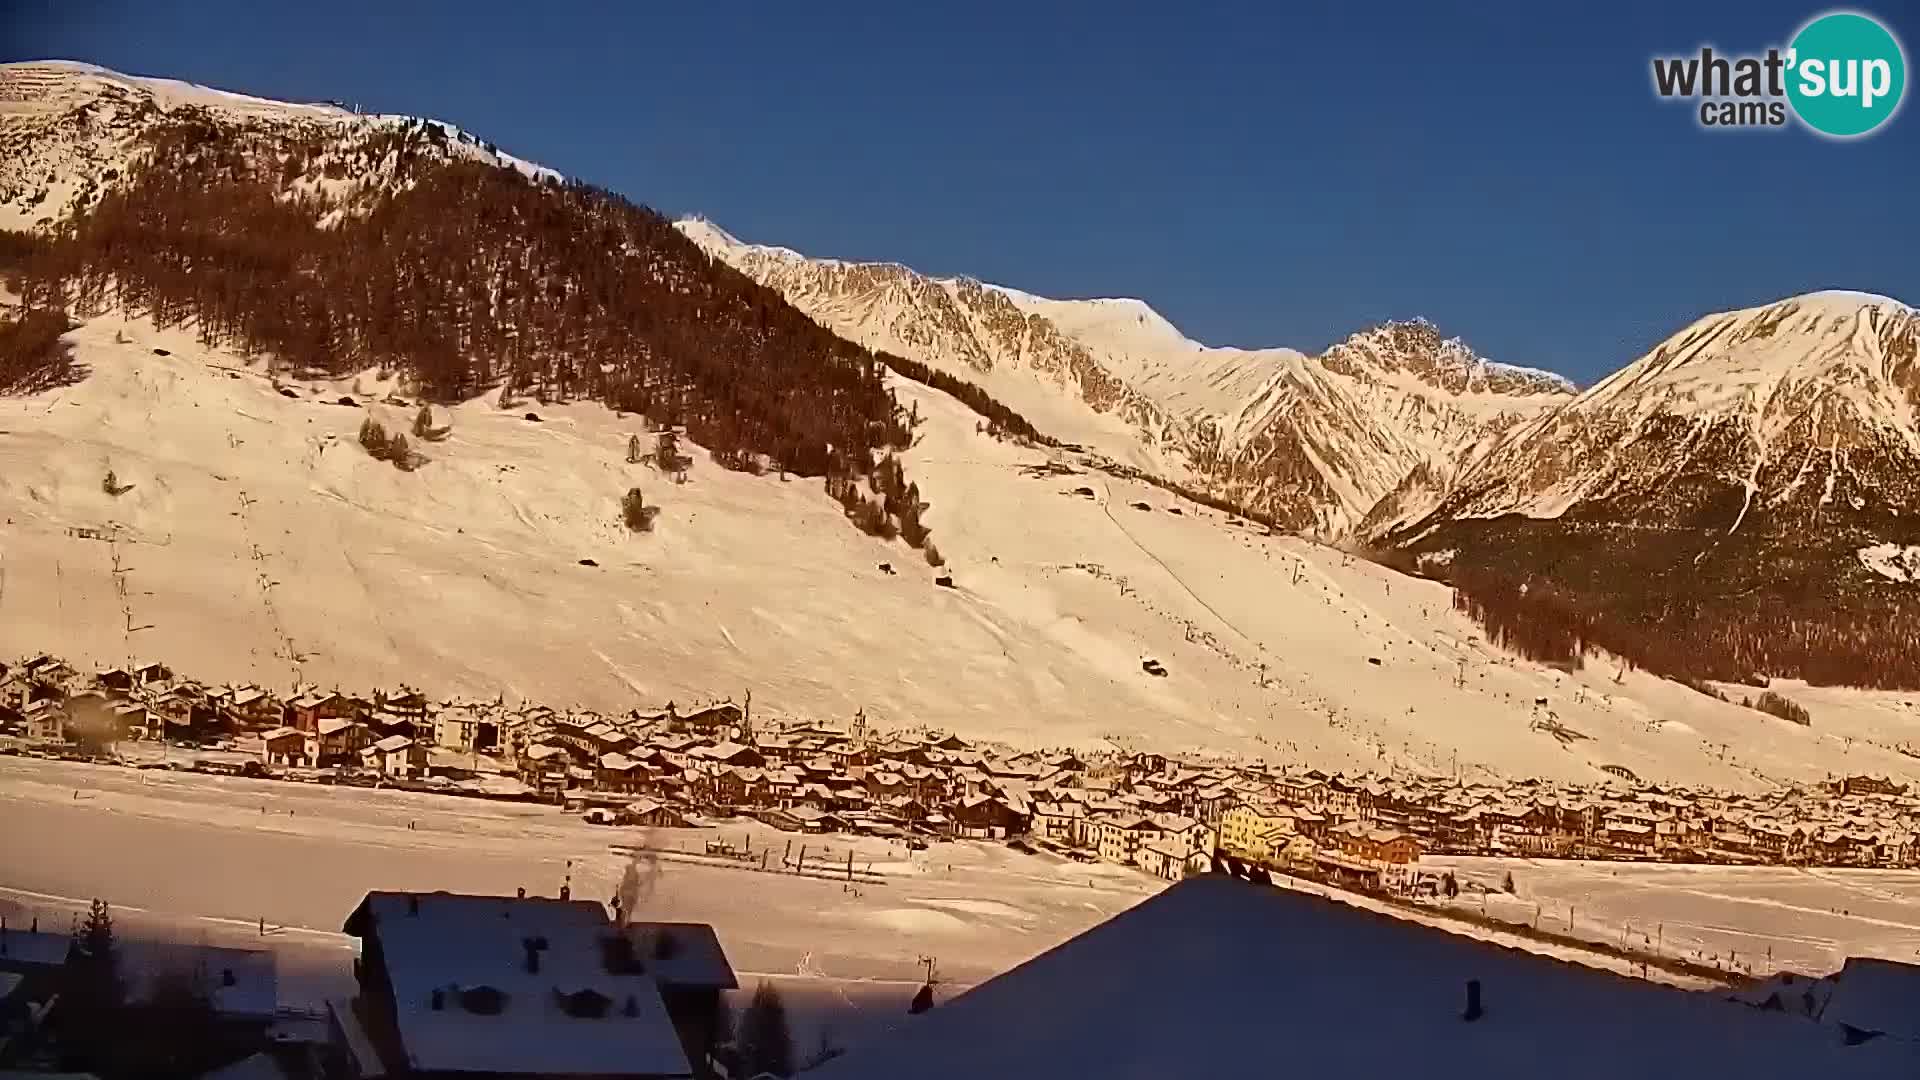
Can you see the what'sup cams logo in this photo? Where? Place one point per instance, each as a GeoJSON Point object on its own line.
{"type": "Point", "coordinates": [1842, 76]}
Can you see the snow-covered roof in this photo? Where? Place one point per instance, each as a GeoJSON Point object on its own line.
{"type": "Point", "coordinates": [692, 957]}
{"type": "Point", "coordinates": [240, 982]}
{"type": "Point", "coordinates": [453, 943]}
{"type": "Point", "coordinates": [1219, 977]}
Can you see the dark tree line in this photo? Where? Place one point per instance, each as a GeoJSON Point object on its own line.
{"type": "Point", "coordinates": [32, 356]}
{"type": "Point", "coordinates": [1683, 603]}
{"type": "Point", "coordinates": [465, 276]}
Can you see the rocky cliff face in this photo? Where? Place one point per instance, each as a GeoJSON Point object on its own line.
{"type": "Point", "coordinates": [1315, 442]}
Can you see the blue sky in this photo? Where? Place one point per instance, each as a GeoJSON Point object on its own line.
{"type": "Point", "coordinates": [1263, 174]}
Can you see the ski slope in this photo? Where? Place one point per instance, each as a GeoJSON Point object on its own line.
{"type": "Point", "coordinates": [255, 540]}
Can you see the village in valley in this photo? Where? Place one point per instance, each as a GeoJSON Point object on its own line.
{"type": "Point", "coordinates": [679, 766]}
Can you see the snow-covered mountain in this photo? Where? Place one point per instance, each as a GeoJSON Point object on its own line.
{"type": "Point", "coordinates": [1731, 498]}
{"type": "Point", "coordinates": [68, 130]}
{"type": "Point", "coordinates": [1314, 441]}
{"type": "Point", "coordinates": [1802, 408]}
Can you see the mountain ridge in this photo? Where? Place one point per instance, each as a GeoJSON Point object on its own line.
{"type": "Point", "coordinates": [1313, 442]}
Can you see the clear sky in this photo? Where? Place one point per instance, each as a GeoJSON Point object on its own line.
{"type": "Point", "coordinates": [1263, 174]}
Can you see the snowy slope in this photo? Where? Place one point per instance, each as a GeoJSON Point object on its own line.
{"type": "Point", "coordinates": [1316, 441]}
{"type": "Point", "coordinates": [69, 129]}
{"type": "Point", "coordinates": [258, 541]}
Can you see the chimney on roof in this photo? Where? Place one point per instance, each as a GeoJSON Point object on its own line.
{"type": "Point", "coordinates": [522, 894]}
{"type": "Point", "coordinates": [1474, 1011]}
{"type": "Point", "coordinates": [566, 892]}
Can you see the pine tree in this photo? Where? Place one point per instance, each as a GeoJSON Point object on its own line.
{"type": "Point", "coordinates": [400, 453]}
{"type": "Point", "coordinates": [93, 964]}
{"type": "Point", "coordinates": [423, 422]}
{"type": "Point", "coordinates": [633, 449]}
{"type": "Point", "coordinates": [635, 512]}
{"type": "Point", "coordinates": [373, 438]}
{"type": "Point", "coordinates": [765, 1043]}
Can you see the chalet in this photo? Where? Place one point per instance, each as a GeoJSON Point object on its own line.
{"type": "Point", "coordinates": [1385, 846]}
{"type": "Point", "coordinates": [714, 719]}
{"type": "Point", "coordinates": [901, 807]}
{"type": "Point", "coordinates": [250, 706]}
{"type": "Point", "coordinates": [408, 703]}
{"type": "Point", "coordinates": [1350, 872]}
{"type": "Point", "coordinates": [1628, 836]}
{"type": "Point", "coordinates": [152, 674]}
{"type": "Point", "coordinates": [1208, 803]}
{"type": "Point", "coordinates": [1055, 821]}
{"type": "Point", "coordinates": [1120, 837]}
{"type": "Point", "coordinates": [394, 755]}
{"type": "Point", "coordinates": [283, 746]}
{"type": "Point", "coordinates": [618, 772]}
{"type": "Point", "coordinates": [903, 753]}
{"type": "Point", "coordinates": [806, 819]}
{"type": "Point", "coordinates": [1064, 762]}
{"type": "Point", "coordinates": [883, 784]}
{"type": "Point", "coordinates": [731, 753]}
{"type": "Point", "coordinates": [1185, 833]}
{"type": "Point", "coordinates": [818, 796]}
{"type": "Point", "coordinates": [651, 813]}
{"type": "Point", "coordinates": [473, 728]}
{"type": "Point", "coordinates": [455, 985]}
{"type": "Point", "coordinates": [130, 716]}
{"type": "Point", "coordinates": [607, 738]}
{"type": "Point", "coordinates": [741, 786]}
{"type": "Point", "coordinates": [117, 680]}
{"type": "Point", "coordinates": [1253, 830]}
{"type": "Point", "coordinates": [1170, 860]}
{"type": "Point", "coordinates": [986, 817]}
{"type": "Point", "coordinates": [543, 766]}
{"type": "Point", "coordinates": [1341, 798]}
{"type": "Point", "coordinates": [1866, 785]}
{"type": "Point", "coordinates": [46, 721]}
{"type": "Point", "coordinates": [336, 741]}
{"type": "Point", "coordinates": [306, 711]}
{"type": "Point", "coordinates": [677, 749]}
{"type": "Point", "coordinates": [846, 755]}
{"type": "Point", "coordinates": [383, 722]}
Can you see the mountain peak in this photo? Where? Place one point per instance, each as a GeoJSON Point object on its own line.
{"type": "Point", "coordinates": [1418, 347]}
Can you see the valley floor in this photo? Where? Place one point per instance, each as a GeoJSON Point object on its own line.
{"type": "Point", "coordinates": [250, 538]}
{"type": "Point", "coordinates": [197, 857]}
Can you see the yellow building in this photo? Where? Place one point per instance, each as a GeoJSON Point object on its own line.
{"type": "Point", "coordinates": [1254, 831]}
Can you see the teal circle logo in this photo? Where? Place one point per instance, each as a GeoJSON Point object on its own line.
{"type": "Point", "coordinates": [1846, 74]}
